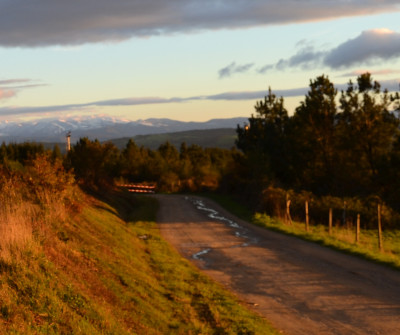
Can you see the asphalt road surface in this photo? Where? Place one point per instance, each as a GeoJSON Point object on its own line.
{"type": "Point", "coordinates": [302, 288]}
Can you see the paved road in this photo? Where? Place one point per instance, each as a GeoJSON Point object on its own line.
{"type": "Point", "coordinates": [302, 288]}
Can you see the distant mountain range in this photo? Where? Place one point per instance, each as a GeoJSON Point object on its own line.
{"type": "Point", "coordinates": [223, 138]}
{"type": "Point", "coordinates": [102, 128]}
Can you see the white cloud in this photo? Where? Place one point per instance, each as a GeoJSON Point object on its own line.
{"type": "Point", "coordinates": [47, 22]}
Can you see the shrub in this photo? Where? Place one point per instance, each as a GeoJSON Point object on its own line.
{"type": "Point", "coordinates": [40, 194]}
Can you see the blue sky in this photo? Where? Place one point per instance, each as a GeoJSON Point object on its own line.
{"type": "Point", "coordinates": [188, 60]}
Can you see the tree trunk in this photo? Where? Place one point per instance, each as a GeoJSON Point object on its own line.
{"type": "Point", "coordinates": [307, 217]}
{"type": "Point", "coordinates": [287, 216]}
{"type": "Point", "coordinates": [358, 229]}
{"type": "Point", "coordinates": [380, 241]}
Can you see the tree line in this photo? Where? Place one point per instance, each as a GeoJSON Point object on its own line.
{"type": "Point", "coordinates": [99, 165]}
{"type": "Point", "coordinates": [343, 145]}
{"type": "Point", "coordinates": [338, 151]}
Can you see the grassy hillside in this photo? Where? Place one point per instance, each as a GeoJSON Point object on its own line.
{"type": "Point", "coordinates": [216, 138]}
{"type": "Point", "coordinates": [106, 270]}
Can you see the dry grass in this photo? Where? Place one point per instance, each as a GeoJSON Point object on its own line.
{"type": "Point", "coordinates": [30, 202]}
{"type": "Point", "coordinates": [94, 274]}
{"type": "Point", "coordinates": [16, 234]}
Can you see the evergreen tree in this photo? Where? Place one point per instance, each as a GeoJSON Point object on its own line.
{"type": "Point", "coordinates": [313, 137]}
{"type": "Point", "coordinates": [263, 139]}
{"type": "Point", "coordinates": [368, 128]}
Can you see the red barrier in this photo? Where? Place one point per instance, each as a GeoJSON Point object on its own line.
{"type": "Point", "coordinates": [138, 188]}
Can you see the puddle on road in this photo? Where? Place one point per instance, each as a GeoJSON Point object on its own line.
{"type": "Point", "coordinates": [201, 253]}
{"type": "Point", "coordinates": [213, 214]}
{"type": "Point", "coordinates": [240, 232]}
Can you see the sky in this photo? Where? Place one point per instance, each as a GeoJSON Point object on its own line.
{"type": "Point", "coordinates": [188, 60]}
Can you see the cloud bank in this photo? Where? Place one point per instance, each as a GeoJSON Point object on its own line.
{"type": "Point", "coordinates": [391, 85]}
{"type": "Point", "coordinates": [36, 23]}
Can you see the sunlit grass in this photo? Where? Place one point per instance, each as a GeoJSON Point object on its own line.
{"type": "Point", "coordinates": [96, 273]}
{"type": "Point", "coordinates": [342, 238]}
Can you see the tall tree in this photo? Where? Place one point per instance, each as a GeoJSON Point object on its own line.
{"type": "Point", "coordinates": [95, 164]}
{"type": "Point", "coordinates": [263, 139]}
{"type": "Point", "coordinates": [313, 137]}
{"type": "Point", "coordinates": [369, 127]}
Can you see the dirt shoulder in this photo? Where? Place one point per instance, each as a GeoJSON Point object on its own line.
{"type": "Point", "coordinates": [301, 287]}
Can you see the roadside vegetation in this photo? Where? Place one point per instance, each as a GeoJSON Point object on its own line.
{"type": "Point", "coordinates": [71, 263]}
{"type": "Point", "coordinates": [341, 238]}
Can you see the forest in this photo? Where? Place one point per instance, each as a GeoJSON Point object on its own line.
{"type": "Point", "coordinates": [339, 151]}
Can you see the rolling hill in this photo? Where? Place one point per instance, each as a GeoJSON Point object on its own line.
{"type": "Point", "coordinates": [221, 138]}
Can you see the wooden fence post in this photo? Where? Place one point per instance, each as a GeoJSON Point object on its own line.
{"type": "Point", "coordinates": [330, 221]}
{"type": "Point", "coordinates": [344, 213]}
{"type": "Point", "coordinates": [288, 218]}
{"type": "Point", "coordinates": [307, 217]}
{"type": "Point", "coordinates": [380, 241]}
{"type": "Point", "coordinates": [358, 229]}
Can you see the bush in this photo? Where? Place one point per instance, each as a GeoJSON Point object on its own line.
{"type": "Point", "coordinates": [39, 194]}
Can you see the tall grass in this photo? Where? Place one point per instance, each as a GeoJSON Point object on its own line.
{"type": "Point", "coordinates": [15, 219]}
{"type": "Point", "coordinates": [102, 270]}
{"type": "Point", "coordinates": [31, 200]}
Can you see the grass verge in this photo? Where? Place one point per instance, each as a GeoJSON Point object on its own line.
{"type": "Point", "coordinates": [108, 271]}
{"type": "Point", "coordinates": [341, 239]}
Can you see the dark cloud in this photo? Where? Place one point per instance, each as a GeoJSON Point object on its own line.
{"type": "Point", "coordinates": [367, 48]}
{"type": "Point", "coordinates": [233, 68]}
{"type": "Point", "coordinates": [370, 47]}
{"type": "Point", "coordinates": [48, 22]}
{"type": "Point", "coordinates": [265, 68]}
{"type": "Point", "coordinates": [305, 58]}
{"type": "Point", "coordinates": [8, 82]}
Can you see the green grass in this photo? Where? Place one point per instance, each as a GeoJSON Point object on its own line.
{"type": "Point", "coordinates": [342, 238]}
{"type": "Point", "coordinates": [108, 271]}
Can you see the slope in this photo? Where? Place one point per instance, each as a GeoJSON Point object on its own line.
{"type": "Point", "coordinates": [106, 270]}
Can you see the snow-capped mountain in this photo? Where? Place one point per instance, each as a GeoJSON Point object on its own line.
{"type": "Point", "coordinates": [101, 127]}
